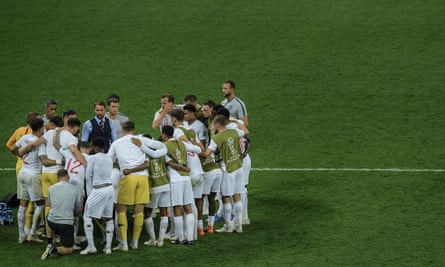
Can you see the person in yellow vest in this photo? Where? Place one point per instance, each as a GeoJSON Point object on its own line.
{"type": "Point", "coordinates": [226, 141]}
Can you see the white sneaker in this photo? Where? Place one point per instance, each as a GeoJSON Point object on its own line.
{"type": "Point", "coordinates": [79, 239]}
{"type": "Point", "coordinates": [238, 229]}
{"type": "Point", "coordinates": [160, 243]}
{"type": "Point", "coordinates": [225, 229]}
{"type": "Point", "coordinates": [76, 247]}
{"type": "Point", "coordinates": [50, 249]}
{"type": "Point", "coordinates": [150, 242]}
{"type": "Point", "coordinates": [120, 247]}
{"type": "Point", "coordinates": [22, 239]}
{"type": "Point", "coordinates": [107, 251]}
{"type": "Point", "coordinates": [88, 250]}
{"type": "Point", "coordinates": [34, 238]}
{"type": "Point", "coordinates": [134, 244]}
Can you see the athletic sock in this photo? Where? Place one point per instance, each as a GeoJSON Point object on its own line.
{"type": "Point", "coordinates": [123, 225]}
{"type": "Point", "coordinates": [228, 213]}
{"type": "Point", "coordinates": [220, 204]}
{"type": "Point", "coordinates": [200, 224]}
{"type": "Point", "coordinates": [238, 210]}
{"type": "Point", "coordinates": [21, 217]}
{"type": "Point", "coordinates": [116, 226]}
{"type": "Point", "coordinates": [149, 226]}
{"type": "Point", "coordinates": [76, 226]}
{"type": "Point", "coordinates": [109, 228]}
{"type": "Point", "coordinates": [47, 209]}
{"type": "Point", "coordinates": [29, 215]}
{"type": "Point", "coordinates": [179, 227]}
{"type": "Point", "coordinates": [245, 200]}
{"type": "Point", "coordinates": [211, 220]}
{"type": "Point", "coordinates": [190, 221]}
{"type": "Point", "coordinates": [163, 227]}
{"type": "Point", "coordinates": [35, 218]}
{"type": "Point", "coordinates": [88, 227]}
{"type": "Point", "coordinates": [138, 224]}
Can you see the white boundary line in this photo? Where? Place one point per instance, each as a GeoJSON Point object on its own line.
{"type": "Point", "coordinates": [344, 170]}
{"type": "Point", "coordinates": [321, 170]}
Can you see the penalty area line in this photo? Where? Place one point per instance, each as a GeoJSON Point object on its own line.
{"type": "Point", "coordinates": [344, 170]}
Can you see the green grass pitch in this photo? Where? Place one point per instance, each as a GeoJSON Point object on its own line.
{"type": "Point", "coordinates": [328, 84]}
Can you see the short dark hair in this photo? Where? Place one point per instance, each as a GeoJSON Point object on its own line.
{"type": "Point", "coordinates": [99, 103]}
{"type": "Point", "coordinates": [169, 97]}
{"type": "Point", "coordinates": [128, 126]}
{"type": "Point", "coordinates": [69, 112]}
{"type": "Point", "coordinates": [168, 130]}
{"type": "Point", "coordinates": [190, 98]}
{"type": "Point", "coordinates": [222, 111]}
{"type": "Point", "coordinates": [57, 120]}
{"type": "Point", "coordinates": [50, 102]}
{"type": "Point", "coordinates": [189, 107]}
{"type": "Point", "coordinates": [36, 124]}
{"type": "Point", "coordinates": [73, 122]}
{"type": "Point", "coordinates": [113, 98]}
{"type": "Point", "coordinates": [31, 115]}
{"type": "Point", "coordinates": [209, 103]}
{"type": "Point", "coordinates": [99, 142]}
{"type": "Point", "coordinates": [231, 83]}
{"type": "Point", "coordinates": [221, 120]}
{"type": "Point", "coordinates": [177, 114]}
{"type": "Point", "coordinates": [85, 144]}
{"type": "Point", "coordinates": [62, 173]}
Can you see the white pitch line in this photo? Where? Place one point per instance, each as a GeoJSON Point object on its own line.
{"type": "Point", "coordinates": [344, 170]}
{"type": "Point", "coordinates": [7, 169]}
{"type": "Point", "coordinates": [322, 170]}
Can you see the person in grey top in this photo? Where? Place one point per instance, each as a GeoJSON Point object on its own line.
{"type": "Point", "coordinates": [236, 106]}
{"type": "Point", "coordinates": [64, 201]}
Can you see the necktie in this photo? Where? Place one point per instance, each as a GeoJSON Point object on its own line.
{"type": "Point", "coordinates": [101, 124]}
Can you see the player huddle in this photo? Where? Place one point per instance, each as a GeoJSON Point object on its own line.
{"type": "Point", "coordinates": [200, 156]}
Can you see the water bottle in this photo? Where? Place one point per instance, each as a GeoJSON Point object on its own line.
{"type": "Point", "coordinates": [9, 216]}
{"type": "Point", "coordinates": [2, 213]}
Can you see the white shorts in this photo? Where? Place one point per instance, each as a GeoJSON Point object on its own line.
{"type": "Point", "coordinates": [31, 186]}
{"type": "Point", "coordinates": [181, 193]}
{"type": "Point", "coordinates": [161, 200]}
{"type": "Point", "coordinates": [116, 177]}
{"type": "Point", "coordinates": [197, 190]}
{"type": "Point", "coordinates": [99, 203]}
{"type": "Point", "coordinates": [247, 164]}
{"type": "Point", "coordinates": [212, 182]}
{"type": "Point", "coordinates": [78, 182]}
{"type": "Point", "coordinates": [232, 183]}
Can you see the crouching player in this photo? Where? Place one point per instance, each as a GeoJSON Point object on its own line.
{"type": "Point", "coordinates": [64, 203]}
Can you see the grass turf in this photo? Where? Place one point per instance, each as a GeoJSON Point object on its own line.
{"type": "Point", "coordinates": [326, 83]}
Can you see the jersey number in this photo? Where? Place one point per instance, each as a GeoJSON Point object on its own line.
{"type": "Point", "coordinates": [73, 165]}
